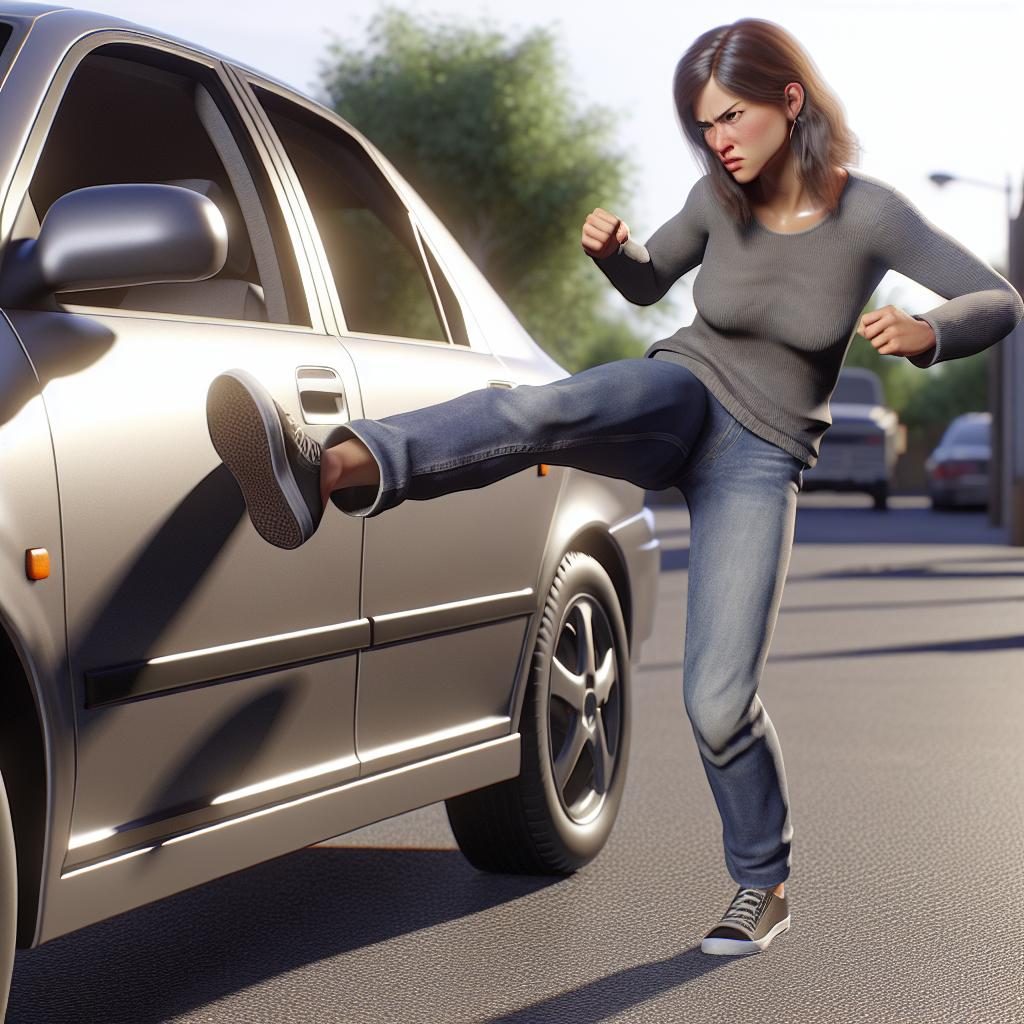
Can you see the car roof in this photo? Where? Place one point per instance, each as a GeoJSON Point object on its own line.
{"type": "Point", "coordinates": [16, 10]}
{"type": "Point", "coordinates": [80, 20]}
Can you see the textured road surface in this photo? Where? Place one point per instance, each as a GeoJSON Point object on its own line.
{"type": "Point", "coordinates": [896, 683]}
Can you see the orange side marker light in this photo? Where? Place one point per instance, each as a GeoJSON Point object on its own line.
{"type": "Point", "coordinates": [37, 563]}
{"type": "Point", "coordinates": [542, 469]}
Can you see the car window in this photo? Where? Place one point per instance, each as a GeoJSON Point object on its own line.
{"type": "Point", "coordinates": [130, 114]}
{"type": "Point", "coordinates": [377, 257]}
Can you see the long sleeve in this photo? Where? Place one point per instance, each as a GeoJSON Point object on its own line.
{"type": "Point", "coordinates": [982, 307]}
{"type": "Point", "coordinates": [644, 273]}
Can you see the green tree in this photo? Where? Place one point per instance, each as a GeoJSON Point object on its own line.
{"type": "Point", "coordinates": [487, 130]}
{"type": "Point", "coordinates": [962, 388]}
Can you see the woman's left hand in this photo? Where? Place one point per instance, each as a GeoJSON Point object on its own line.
{"type": "Point", "coordinates": [895, 333]}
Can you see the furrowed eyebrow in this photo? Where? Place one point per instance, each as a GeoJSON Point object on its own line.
{"type": "Point", "coordinates": [722, 114]}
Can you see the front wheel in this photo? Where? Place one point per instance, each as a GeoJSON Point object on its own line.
{"type": "Point", "coordinates": [558, 813]}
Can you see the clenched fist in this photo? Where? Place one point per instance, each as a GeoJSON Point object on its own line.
{"type": "Point", "coordinates": [894, 332]}
{"type": "Point", "coordinates": [603, 233]}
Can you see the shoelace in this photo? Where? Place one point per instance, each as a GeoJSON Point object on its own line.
{"type": "Point", "coordinates": [307, 446]}
{"type": "Point", "coordinates": [743, 907]}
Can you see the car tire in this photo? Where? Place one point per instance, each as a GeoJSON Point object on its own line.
{"type": "Point", "coordinates": [8, 899]}
{"type": "Point", "coordinates": [554, 818]}
{"type": "Point", "coordinates": [880, 495]}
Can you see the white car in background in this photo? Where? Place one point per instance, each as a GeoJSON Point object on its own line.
{"type": "Point", "coordinates": [958, 469]}
{"type": "Point", "coordinates": [860, 449]}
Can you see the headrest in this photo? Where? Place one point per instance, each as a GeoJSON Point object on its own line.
{"type": "Point", "coordinates": [239, 251]}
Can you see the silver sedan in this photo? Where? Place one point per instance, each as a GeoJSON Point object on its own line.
{"type": "Point", "coordinates": [182, 700]}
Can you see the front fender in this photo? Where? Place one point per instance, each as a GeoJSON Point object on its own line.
{"type": "Point", "coordinates": [32, 611]}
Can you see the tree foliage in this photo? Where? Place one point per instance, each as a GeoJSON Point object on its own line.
{"type": "Point", "coordinates": [487, 130]}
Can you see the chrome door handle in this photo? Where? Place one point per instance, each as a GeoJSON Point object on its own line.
{"type": "Point", "coordinates": [321, 395]}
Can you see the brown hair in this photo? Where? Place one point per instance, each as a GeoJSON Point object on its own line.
{"type": "Point", "coordinates": [756, 59]}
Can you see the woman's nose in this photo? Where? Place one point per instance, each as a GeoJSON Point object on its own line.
{"type": "Point", "coordinates": [718, 141]}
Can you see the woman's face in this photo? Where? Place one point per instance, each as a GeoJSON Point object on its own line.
{"type": "Point", "coordinates": [754, 132]}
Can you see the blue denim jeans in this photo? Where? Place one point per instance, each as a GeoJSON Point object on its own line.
{"type": "Point", "coordinates": [652, 422]}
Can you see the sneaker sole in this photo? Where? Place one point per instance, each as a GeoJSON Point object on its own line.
{"type": "Point", "coordinates": [247, 436]}
{"type": "Point", "coordinates": [731, 947]}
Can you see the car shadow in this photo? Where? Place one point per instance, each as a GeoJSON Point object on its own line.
{"type": "Point", "coordinates": [189, 950]}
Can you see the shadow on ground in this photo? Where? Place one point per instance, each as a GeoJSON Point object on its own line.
{"type": "Point", "coordinates": [189, 950]}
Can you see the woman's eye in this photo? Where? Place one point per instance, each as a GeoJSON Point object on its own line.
{"type": "Point", "coordinates": [703, 128]}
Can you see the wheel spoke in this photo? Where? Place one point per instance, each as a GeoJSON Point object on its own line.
{"type": "Point", "coordinates": [603, 760]}
{"type": "Point", "coordinates": [567, 757]}
{"type": "Point", "coordinates": [567, 685]}
{"type": "Point", "coordinates": [586, 641]}
{"type": "Point", "coordinates": [605, 678]}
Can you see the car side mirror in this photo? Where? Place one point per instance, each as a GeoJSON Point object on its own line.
{"type": "Point", "coordinates": [110, 236]}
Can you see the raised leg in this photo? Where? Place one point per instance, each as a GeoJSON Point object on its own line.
{"type": "Point", "coordinates": [632, 419]}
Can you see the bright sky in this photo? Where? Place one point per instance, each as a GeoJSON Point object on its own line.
{"type": "Point", "coordinates": [927, 85]}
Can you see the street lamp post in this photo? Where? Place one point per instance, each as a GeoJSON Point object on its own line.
{"type": "Point", "coordinates": [998, 365]}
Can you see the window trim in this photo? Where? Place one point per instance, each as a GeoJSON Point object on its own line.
{"type": "Point", "coordinates": [430, 253]}
{"type": "Point", "coordinates": [435, 292]}
{"type": "Point", "coordinates": [250, 80]}
{"type": "Point", "coordinates": [42, 123]}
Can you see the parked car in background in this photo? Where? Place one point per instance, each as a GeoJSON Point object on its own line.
{"type": "Point", "coordinates": [181, 699]}
{"type": "Point", "coordinates": [958, 469]}
{"type": "Point", "coordinates": [860, 449]}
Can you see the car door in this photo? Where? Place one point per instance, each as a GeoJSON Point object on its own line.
{"type": "Point", "coordinates": [212, 673]}
{"type": "Point", "coordinates": [448, 584]}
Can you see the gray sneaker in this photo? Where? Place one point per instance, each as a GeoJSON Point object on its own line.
{"type": "Point", "coordinates": [276, 464]}
{"type": "Point", "coordinates": [753, 919]}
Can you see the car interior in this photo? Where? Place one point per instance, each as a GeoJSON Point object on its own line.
{"type": "Point", "coordinates": [122, 121]}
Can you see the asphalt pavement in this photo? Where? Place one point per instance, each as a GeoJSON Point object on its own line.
{"type": "Point", "coordinates": [896, 684]}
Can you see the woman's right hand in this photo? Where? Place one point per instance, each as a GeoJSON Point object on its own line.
{"type": "Point", "coordinates": [603, 233]}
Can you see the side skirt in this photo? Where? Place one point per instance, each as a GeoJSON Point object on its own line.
{"type": "Point", "coordinates": [178, 862]}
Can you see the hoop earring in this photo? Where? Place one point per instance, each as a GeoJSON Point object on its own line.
{"type": "Point", "coordinates": [792, 126]}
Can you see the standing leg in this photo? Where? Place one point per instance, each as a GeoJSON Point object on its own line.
{"type": "Point", "coordinates": [742, 503]}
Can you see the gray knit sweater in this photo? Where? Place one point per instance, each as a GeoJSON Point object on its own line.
{"type": "Point", "coordinates": [777, 312]}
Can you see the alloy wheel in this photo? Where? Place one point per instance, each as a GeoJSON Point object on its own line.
{"type": "Point", "coordinates": [584, 709]}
